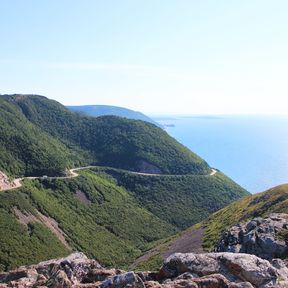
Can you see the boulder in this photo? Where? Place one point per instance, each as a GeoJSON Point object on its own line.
{"type": "Point", "coordinates": [263, 237]}
{"type": "Point", "coordinates": [211, 270]}
{"type": "Point", "coordinates": [235, 267]}
{"type": "Point", "coordinates": [129, 279]}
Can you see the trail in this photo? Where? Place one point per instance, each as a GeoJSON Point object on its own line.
{"type": "Point", "coordinates": [17, 183]}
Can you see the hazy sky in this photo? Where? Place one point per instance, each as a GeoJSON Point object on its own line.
{"type": "Point", "coordinates": [180, 56]}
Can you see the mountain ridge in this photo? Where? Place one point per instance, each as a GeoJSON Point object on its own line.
{"type": "Point", "coordinates": [110, 110]}
{"type": "Point", "coordinates": [75, 140]}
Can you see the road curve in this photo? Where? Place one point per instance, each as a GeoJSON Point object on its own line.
{"type": "Point", "coordinates": [17, 183]}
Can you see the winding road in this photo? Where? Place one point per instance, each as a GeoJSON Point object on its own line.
{"type": "Point", "coordinates": [17, 182]}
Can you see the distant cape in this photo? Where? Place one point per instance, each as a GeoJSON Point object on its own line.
{"type": "Point", "coordinates": [103, 110]}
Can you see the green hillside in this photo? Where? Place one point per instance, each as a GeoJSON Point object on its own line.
{"type": "Point", "coordinates": [98, 217]}
{"type": "Point", "coordinates": [262, 204]}
{"type": "Point", "coordinates": [110, 214]}
{"type": "Point", "coordinates": [171, 198]}
{"type": "Point", "coordinates": [61, 138]}
{"type": "Point", "coordinates": [102, 218]}
{"type": "Point", "coordinates": [24, 148]}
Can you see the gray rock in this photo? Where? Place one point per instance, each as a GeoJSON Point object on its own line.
{"type": "Point", "coordinates": [129, 279]}
{"type": "Point", "coordinates": [211, 270]}
{"type": "Point", "coordinates": [236, 267]}
{"type": "Point", "coordinates": [259, 237]}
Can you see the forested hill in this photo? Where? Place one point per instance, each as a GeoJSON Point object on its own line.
{"type": "Point", "coordinates": [110, 214]}
{"type": "Point", "coordinates": [40, 136]}
{"type": "Point", "coordinates": [105, 110]}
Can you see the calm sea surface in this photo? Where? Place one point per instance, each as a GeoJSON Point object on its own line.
{"type": "Point", "coordinates": [252, 150]}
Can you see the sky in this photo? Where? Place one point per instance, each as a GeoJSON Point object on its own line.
{"type": "Point", "coordinates": [154, 56]}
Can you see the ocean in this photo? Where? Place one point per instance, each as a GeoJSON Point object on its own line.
{"type": "Point", "coordinates": [252, 150]}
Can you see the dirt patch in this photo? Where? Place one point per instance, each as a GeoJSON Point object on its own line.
{"type": "Point", "coordinates": [6, 184]}
{"type": "Point", "coordinates": [26, 218]}
{"type": "Point", "coordinates": [53, 225]}
{"type": "Point", "coordinates": [81, 196]}
{"type": "Point", "coordinates": [189, 242]}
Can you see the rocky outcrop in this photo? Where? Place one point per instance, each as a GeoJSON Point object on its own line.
{"type": "Point", "coordinates": [264, 237]}
{"type": "Point", "coordinates": [226, 270]}
{"type": "Point", "coordinates": [5, 183]}
{"type": "Point", "coordinates": [212, 270]}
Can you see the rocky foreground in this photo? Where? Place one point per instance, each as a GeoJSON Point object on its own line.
{"type": "Point", "coordinates": [265, 237]}
{"type": "Point", "coordinates": [211, 270]}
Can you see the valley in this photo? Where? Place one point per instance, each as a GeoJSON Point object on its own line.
{"type": "Point", "coordinates": [134, 187]}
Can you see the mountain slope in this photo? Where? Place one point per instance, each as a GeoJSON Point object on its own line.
{"type": "Point", "coordinates": [95, 214]}
{"type": "Point", "coordinates": [204, 235]}
{"type": "Point", "coordinates": [172, 197]}
{"type": "Point", "coordinates": [72, 139]}
{"type": "Point", "coordinates": [260, 204]}
{"type": "Point", "coordinates": [25, 149]}
{"type": "Point", "coordinates": [110, 214]}
{"type": "Point", "coordinates": [92, 214]}
{"type": "Point", "coordinates": [108, 110]}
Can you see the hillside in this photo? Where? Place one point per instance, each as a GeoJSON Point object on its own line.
{"type": "Point", "coordinates": [42, 137]}
{"type": "Point", "coordinates": [204, 235]}
{"type": "Point", "coordinates": [108, 110]}
{"type": "Point", "coordinates": [171, 197]}
{"type": "Point", "coordinates": [93, 213]}
{"type": "Point", "coordinates": [111, 214]}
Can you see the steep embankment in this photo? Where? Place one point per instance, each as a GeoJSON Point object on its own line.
{"type": "Point", "coordinates": [42, 137]}
{"type": "Point", "coordinates": [204, 236]}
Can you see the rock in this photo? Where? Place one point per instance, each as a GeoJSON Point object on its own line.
{"type": "Point", "coordinates": [260, 237]}
{"type": "Point", "coordinates": [63, 272]}
{"type": "Point", "coordinates": [236, 267]}
{"type": "Point", "coordinates": [129, 279]}
{"type": "Point", "coordinates": [211, 270]}
{"type": "Point", "coordinates": [211, 281]}
{"type": "Point", "coordinates": [60, 279]}
{"type": "Point", "coordinates": [152, 284]}
{"type": "Point", "coordinates": [96, 275]}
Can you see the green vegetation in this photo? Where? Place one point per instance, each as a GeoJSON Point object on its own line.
{"type": "Point", "coordinates": [171, 198]}
{"type": "Point", "coordinates": [24, 148]}
{"type": "Point", "coordinates": [20, 244]}
{"type": "Point", "coordinates": [109, 214]}
{"type": "Point", "coordinates": [38, 132]}
{"type": "Point", "coordinates": [102, 218]}
{"type": "Point", "coordinates": [261, 204]}
{"type": "Point", "coordinates": [110, 226]}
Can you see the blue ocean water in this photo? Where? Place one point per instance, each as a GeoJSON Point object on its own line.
{"type": "Point", "coordinates": [252, 150]}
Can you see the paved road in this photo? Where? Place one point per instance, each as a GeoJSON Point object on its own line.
{"type": "Point", "coordinates": [17, 183]}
